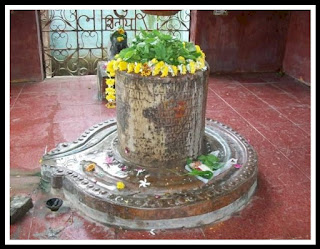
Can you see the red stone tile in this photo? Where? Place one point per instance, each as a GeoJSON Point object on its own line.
{"type": "Point", "coordinates": [30, 134]}
{"type": "Point", "coordinates": [264, 117]}
{"type": "Point", "coordinates": [281, 100]}
{"type": "Point", "coordinates": [285, 136]}
{"type": "Point", "coordinates": [232, 228]}
{"type": "Point", "coordinates": [297, 114]}
{"type": "Point", "coordinates": [70, 86]}
{"type": "Point", "coordinates": [78, 97]}
{"type": "Point", "coordinates": [263, 89]}
{"type": "Point", "coordinates": [274, 77]}
{"type": "Point", "coordinates": [300, 157]}
{"type": "Point", "coordinates": [247, 77]}
{"type": "Point", "coordinates": [306, 128]}
{"type": "Point", "coordinates": [294, 209]}
{"type": "Point", "coordinates": [29, 115]}
{"type": "Point", "coordinates": [89, 111]}
{"type": "Point", "coordinates": [20, 230]}
{"type": "Point", "coordinates": [249, 101]}
{"type": "Point", "coordinates": [33, 100]}
{"type": "Point", "coordinates": [82, 229]}
{"type": "Point", "coordinates": [216, 80]}
{"type": "Point", "coordinates": [257, 220]}
{"type": "Point", "coordinates": [68, 113]}
{"type": "Point", "coordinates": [107, 113]}
{"type": "Point", "coordinates": [215, 102]}
{"type": "Point", "coordinates": [26, 157]}
{"type": "Point", "coordinates": [285, 169]}
{"type": "Point", "coordinates": [68, 131]}
{"type": "Point", "coordinates": [41, 87]}
{"type": "Point", "coordinates": [231, 90]}
{"type": "Point", "coordinates": [225, 115]}
{"type": "Point", "coordinates": [13, 100]}
{"type": "Point", "coordinates": [292, 86]}
{"type": "Point", "coordinates": [16, 88]}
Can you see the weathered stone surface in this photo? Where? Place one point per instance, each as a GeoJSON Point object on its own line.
{"type": "Point", "coordinates": [19, 206]}
{"type": "Point", "coordinates": [161, 120]}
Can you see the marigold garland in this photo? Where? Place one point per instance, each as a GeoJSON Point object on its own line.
{"type": "Point", "coordinates": [193, 60]}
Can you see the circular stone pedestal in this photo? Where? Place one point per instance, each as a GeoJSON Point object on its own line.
{"type": "Point", "coordinates": [152, 198]}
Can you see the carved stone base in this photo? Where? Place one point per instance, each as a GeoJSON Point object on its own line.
{"type": "Point", "coordinates": [170, 199]}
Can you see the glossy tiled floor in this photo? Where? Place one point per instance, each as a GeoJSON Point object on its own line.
{"type": "Point", "coordinates": [272, 112]}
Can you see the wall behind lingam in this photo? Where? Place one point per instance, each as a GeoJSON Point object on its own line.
{"type": "Point", "coordinates": [242, 41]}
{"type": "Point", "coordinates": [25, 47]}
{"type": "Point", "coordinates": [297, 53]}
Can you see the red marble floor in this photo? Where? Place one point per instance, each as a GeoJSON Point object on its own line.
{"type": "Point", "coordinates": [272, 112]}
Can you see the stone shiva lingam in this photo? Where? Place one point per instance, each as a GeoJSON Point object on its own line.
{"type": "Point", "coordinates": [160, 164]}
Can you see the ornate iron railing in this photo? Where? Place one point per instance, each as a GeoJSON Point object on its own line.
{"type": "Point", "coordinates": [75, 40]}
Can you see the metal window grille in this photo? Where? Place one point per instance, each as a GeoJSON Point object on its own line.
{"type": "Point", "coordinates": [75, 40]}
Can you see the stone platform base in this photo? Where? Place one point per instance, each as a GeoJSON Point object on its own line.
{"type": "Point", "coordinates": [152, 198]}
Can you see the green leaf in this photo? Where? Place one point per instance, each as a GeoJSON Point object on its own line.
{"type": "Point", "coordinates": [208, 163]}
{"type": "Point", "coordinates": [128, 55]}
{"type": "Point", "coordinates": [217, 166]}
{"type": "Point", "coordinates": [212, 158]}
{"type": "Point", "coordinates": [205, 174]}
{"type": "Point", "coordinates": [202, 158]}
{"type": "Point", "coordinates": [190, 46]}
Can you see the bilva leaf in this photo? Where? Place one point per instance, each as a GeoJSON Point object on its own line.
{"type": "Point", "coordinates": [205, 174]}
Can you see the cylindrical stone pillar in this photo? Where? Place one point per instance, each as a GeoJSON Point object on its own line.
{"type": "Point", "coordinates": [161, 121]}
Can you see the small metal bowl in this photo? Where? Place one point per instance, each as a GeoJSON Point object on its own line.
{"type": "Point", "coordinates": [54, 204]}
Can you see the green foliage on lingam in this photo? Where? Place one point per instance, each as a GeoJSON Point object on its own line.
{"type": "Point", "coordinates": [163, 47]}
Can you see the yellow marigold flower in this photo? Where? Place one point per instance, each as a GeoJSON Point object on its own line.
{"type": "Point", "coordinates": [90, 167]}
{"type": "Point", "coordinates": [192, 67]}
{"type": "Point", "coordinates": [137, 67]}
{"type": "Point", "coordinates": [181, 59]}
{"type": "Point", "coordinates": [203, 55]}
{"type": "Point", "coordinates": [123, 65]}
{"type": "Point", "coordinates": [110, 65]}
{"type": "Point", "coordinates": [174, 70]}
{"type": "Point", "coordinates": [110, 82]}
{"type": "Point", "coordinates": [112, 73]}
{"type": "Point", "coordinates": [154, 61]}
{"type": "Point", "coordinates": [182, 68]}
{"type": "Point", "coordinates": [200, 63]}
{"type": "Point", "coordinates": [157, 68]}
{"type": "Point", "coordinates": [116, 66]}
{"type": "Point", "coordinates": [198, 49]}
{"type": "Point", "coordinates": [110, 90]}
{"type": "Point", "coordinates": [146, 71]}
{"type": "Point", "coordinates": [111, 105]}
{"type": "Point", "coordinates": [120, 185]}
{"type": "Point", "coordinates": [156, 71]}
{"type": "Point", "coordinates": [165, 71]}
{"type": "Point", "coordinates": [110, 97]}
{"type": "Point", "coordinates": [120, 38]}
{"type": "Point", "coordinates": [121, 31]}
{"type": "Point", "coordinates": [130, 67]}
